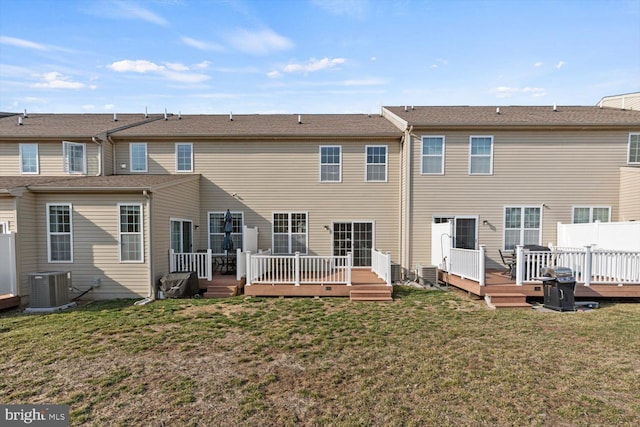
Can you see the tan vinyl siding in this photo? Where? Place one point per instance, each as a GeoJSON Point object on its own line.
{"type": "Point", "coordinates": [27, 241]}
{"type": "Point", "coordinates": [49, 156]}
{"type": "Point", "coordinates": [629, 194]}
{"type": "Point", "coordinates": [180, 201]}
{"type": "Point", "coordinates": [95, 245]}
{"type": "Point", "coordinates": [107, 156]}
{"type": "Point", "coordinates": [557, 168]}
{"type": "Point", "coordinates": [8, 212]}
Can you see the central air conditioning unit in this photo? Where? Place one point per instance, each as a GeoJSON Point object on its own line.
{"type": "Point", "coordinates": [49, 289]}
{"type": "Point", "coordinates": [427, 275]}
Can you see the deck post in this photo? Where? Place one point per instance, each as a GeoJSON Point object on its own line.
{"type": "Point", "coordinates": [248, 269]}
{"type": "Point", "coordinates": [481, 265]}
{"type": "Point", "coordinates": [296, 268]}
{"type": "Point", "coordinates": [349, 266]}
{"type": "Point", "coordinates": [588, 265]}
{"type": "Point", "coordinates": [388, 268]}
{"type": "Point", "coordinates": [520, 267]}
{"type": "Point", "coordinates": [209, 265]}
{"type": "Point", "coordinates": [172, 260]}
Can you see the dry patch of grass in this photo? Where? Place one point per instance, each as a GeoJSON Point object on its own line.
{"type": "Point", "coordinates": [428, 358]}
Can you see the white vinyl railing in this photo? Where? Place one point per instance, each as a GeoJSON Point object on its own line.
{"type": "Point", "coordinates": [200, 262]}
{"type": "Point", "coordinates": [298, 269]}
{"type": "Point", "coordinates": [241, 262]}
{"type": "Point", "coordinates": [589, 266]}
{"type": "Point", "coordinates": [381, 265]}
{"type": "Point", "coordinates": [468, 263]}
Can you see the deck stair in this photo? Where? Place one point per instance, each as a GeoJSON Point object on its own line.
{"type": "Point", "coordinates": [383, 294]}
{"type": "Point", "coordinates": [9, 301]}
{"type": "Point", "coordinates": [221, 291]}
{"type": "Point", "coordinates": [506, 300]}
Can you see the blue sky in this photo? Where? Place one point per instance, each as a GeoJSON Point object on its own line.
{"type": "Point", "coordinates": [312, 56]}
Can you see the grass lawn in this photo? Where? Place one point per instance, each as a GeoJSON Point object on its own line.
{"type": "Point", "coordinates": [428, 358]}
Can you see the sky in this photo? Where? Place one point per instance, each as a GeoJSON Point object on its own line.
{"type": "Point", "coordinates": [312, 56]}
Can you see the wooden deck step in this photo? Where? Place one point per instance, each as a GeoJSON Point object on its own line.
{"type": "Point", "coordinates": [9, 301]}
{"type": "Point", "coordinates": [371, 295]}
{"type": "Point", "coordinates": [221, 291]}
{"type": "Point", "coordinates": [506, 300]}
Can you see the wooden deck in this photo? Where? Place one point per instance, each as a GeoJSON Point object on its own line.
{"type": "Point", "coordinates": [9, 301]}
{"type": "Point", "coordinates": [498, 283]}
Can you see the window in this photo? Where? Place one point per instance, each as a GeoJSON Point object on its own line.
{"type": "Point", "coordinates": [634, 149]}
{"type": "Point", "coordinates": [4, 227]}
{"type": "Point", "coordinates": [521, 226]}
{"type": "Point", "coordinates": [465, 230]}
{"type": "Point", "coordinates": [184, 157]}
{"type": "Point", "coordinates": [433, 155]}
{"type": "Point", "coordinates": [59, 233]}
{"type": "Point", "coordinates": [376, 163]}
{"type": "Point", "coordinates": [130, 231]}
{"type": "Point", "coordinates": [587, 214]}
{"type": "Point", "coordinates": [74, 157]}
{"type": "Point", "coordinates": [138, 156]}
{"type": "Point", "coordinates": [330, 163]}
{"type": "Point", "coordinates": [29, 159]}
{"type": "Point", "coordinates": [216, 230]}
{"type": "Point", "coordinates": [289, 232]}
{"type": "Point", "coordinates": [181, 235]}
{"type": "Point", "coordinates": [480, 155]}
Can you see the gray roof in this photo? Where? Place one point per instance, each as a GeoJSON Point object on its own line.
{"type": "Point", "coordinates": [466, 116]}
{"type": "Point", "coordinates": [113, 183]}
{"type": "Point", "coordinates": [67, 126]}
{"type": "Point", "coordinates": [267, 125]}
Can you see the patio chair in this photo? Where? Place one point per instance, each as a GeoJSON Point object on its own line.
{"type": "Point", "coordinates": [509, 260]}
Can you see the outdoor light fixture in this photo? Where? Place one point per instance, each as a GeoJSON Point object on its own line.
{"type": "Point", "coordinates": [123, 165]}
{"type": "Point", "coordinates": [485, 222]}
{"type": "Point", "coordinates": [326, 227]}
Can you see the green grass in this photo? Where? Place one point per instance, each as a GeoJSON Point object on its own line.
{"type": "Point", "coordinates": [428, 358]}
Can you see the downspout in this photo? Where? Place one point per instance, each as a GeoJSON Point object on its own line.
{"type": "Point", "coordinates": [400, 207]}
{"type": "Point", "coordinates": [149, 228]}
{"type": "Point", "coordinates": [408, 198]}
{"type": "Point", "coordinates": [99, 144]}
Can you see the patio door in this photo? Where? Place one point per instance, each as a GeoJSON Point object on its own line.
{"type": "Point", "coordinates": [465, 230]}
{"type": "Point", "coordinates": [354, 237]}
{"type": "Point", "coordinates": [181, 235]}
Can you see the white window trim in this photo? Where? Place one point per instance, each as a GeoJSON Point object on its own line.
{"type": "Point", "coordinates": [146, 157]}
{"type": "Point", "coordinates": [591, 208]}
{"type": "Point", "coordinates": [48, 220]}
{"type": "Point", "coordinates": [522, 229]}
{"type": "Point", "coordinates": [37, 160]}
{"type": "Point", "coordinates": [481, 156]}
{"type": "Point", "coordinates": [181, 221]}
{"type": "Point", "coordinates": [629, 162]}
{"type": "Point", "coordinates": [141, 232]}
{"type": "Point", "coordinates": [339, 180]}
{"type": "Point", "coordinates": [422, 155]}
{"type": "Point", "coordinates": [65, 160]}
{"type": "Point", "coordinates": [386, 163]}
{"type": "Point", "coordinates": [289, 213]}
{"type": "Point", "coordinates": [190, 144]}
{"type": "Point", "coordinates": [5, 227]}
{"type": "Point", "coordinates": [214, 251]}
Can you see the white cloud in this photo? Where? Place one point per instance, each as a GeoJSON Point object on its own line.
{"type": "Point", "coordinates": [355, 8]}
{"type": "Point", "coordinates": [176, 66]}
{"type": "Point", "coordinates": [202, 65]}
{"type": "Point", "coordinates": [89, 107]}
{"type": "Point", "coordinates": [560, 64]}
{"type": "Point", "coordinates": [260, 42]}
{"type": "Point", "coordinates": [439, 62]}
{"type": "Point", "coordinates": [125, 10]}
{"type": "Point", "coordinates": [13, 41]}
{"type": "Point", "coordinates": [170, 70]}
{"type": "Point", "coordinates": [365, 82]}
{"type": "Point", "coordinates": [55, 80]}
{"type": "Point", "coordinates": [136, 66]}
{"type": "Point", "coordinates": [185, 77]}
{"type": "Point", "coordinates": [313, 65]}
{"type": "Point", "coordinates": [507, 91]}
{"type": "Point", "coordinates": [538, 64]}
{"type": "Point", "coordinates": [109, 106]}
{"type": "Point", "coordinates": [199, 44]}
{"type": "Point", "coordinates": [373, 58]}
{"type": "Point", "coordinates": [274, 74]}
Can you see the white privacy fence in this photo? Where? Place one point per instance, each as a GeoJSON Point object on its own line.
{"type": "Point", "coordinates": [589, 266]}
{"type": "Point", "coordinates": [468, 263]}
{"type": "Point", "coordinates": [381, 265]}
{"type": "Point", "coordinates": [8, 276]}
{"type": "Point", "coordinates": [621, 236]}
{"type": "Point", "coordinates": [200, 262]}
{"type": "Point", "coordinates": [298, 269]}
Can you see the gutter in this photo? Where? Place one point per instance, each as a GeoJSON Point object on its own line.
{"type": "Point", "coordinates": [408, 197]}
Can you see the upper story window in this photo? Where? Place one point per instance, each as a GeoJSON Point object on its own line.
{"type": "Point", "coordinates": [480, 155]}
{"type": "Point", "coordinates": [184, 157]}
{"type": "Point", "coordinates": [59, 232]}
{"type": "Point", "coordinates": [587, 214]}
{"type": "Point", "coordinates": [130, 232]}
{"type": "Point", "coordinates": [138, 156]}
{"type": "Point", "coordinates": [74, 157]}
{"type": "Point", "coordinates": [376, 163]}
{"type": "Point", "coordinates": [29, 163]}
{"type": "Point", "coordinates": [432, 155]}
{"type": "Point", "coordinates": [634, 149]}
{"type": "Point", "coordinates": [290, 232]}
{"type": "Point", "coordinates": [330, 163]}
